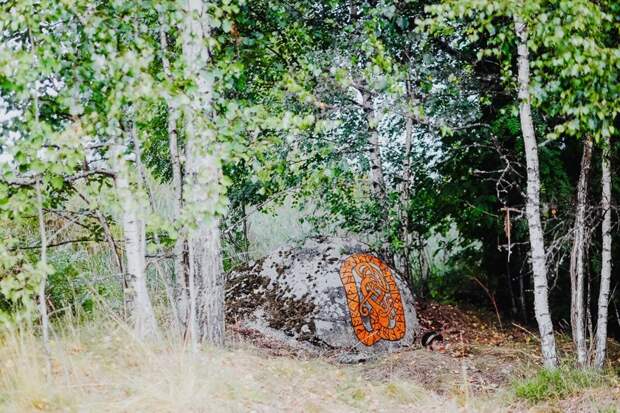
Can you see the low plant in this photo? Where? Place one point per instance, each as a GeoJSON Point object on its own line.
{"type": "Point", "coordinates": [558, 384]}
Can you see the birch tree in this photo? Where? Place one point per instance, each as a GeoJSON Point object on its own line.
{"type": "Point", "coordinates": [203, 173]}
{"type": "Point", "coordinates": [603, 298]}
{"type": "Point", "coordinates": [537, 242]}
{"type": "Point", "coordinates": [132, 222]}
{"type": "Point", "coordinates": [577, 264]}
{"type": "Point", "coordinates": [582, 88]}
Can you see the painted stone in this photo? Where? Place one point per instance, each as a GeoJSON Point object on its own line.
{"type": "Point", "coordinates": [373, 295]}
{"type": "Point", "coordinates": [329, 293]}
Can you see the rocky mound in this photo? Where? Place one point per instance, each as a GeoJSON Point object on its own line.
{"type": "Point", "coordinates": [329, 293]}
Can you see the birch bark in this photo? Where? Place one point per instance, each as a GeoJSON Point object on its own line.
{"type": "Point", "coordinates": [377, 180]}
{"type": "Point", "coordinates": [404, 202]}
{"type": "Point", "coordinates": [577, 257]}
{"type": "Point", "coordinates": [180, 270]}
{"type": "Point", "coordinates": [202, 185]}
{"type": "Point", "coordinates": [139, 302]}
{"type": "Point", "coordinates": [537, 244]}
{"type": "Point", "coordinates": [42, 284]}
{"type": "Point", "coordinates": [603, 298]}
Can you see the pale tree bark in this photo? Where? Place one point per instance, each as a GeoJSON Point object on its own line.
{"type": "Point", "coordinates": [45, 329]}
{"type": "Point", "coordinates": [405, 197]}
{"type": "Point", "coordinates": [537, 244]}
{"type": "Point", "coordinates": [577, 275]}
{"type": "Point", "coordinates": [377, 181]}
{"type": "Point", "coordinates": [139, 302]}
{"type": "Point", "coordinates": [180, 270]}
{"type": "Point", "coordinates": [603, 298]}
{"type": "Point", "coordinates": [42, 232]}
{"type": "Point", "coordinates": [205, 257]}
{"type": "Point", "coordinates": [143, 185]}
{"type": "Point", "coordinates": [202, 186]}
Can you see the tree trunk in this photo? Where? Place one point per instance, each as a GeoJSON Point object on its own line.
{"type": "Point", "coordinates": [513, 301]}
{"type": "Point", "coordinates": [377, 180]}
{"type": "Point", "coordinates": [577, 257]}
{"type": "Point", "coordinates": [405, 197]}
{"type": "Point", "coordinates": [603, 298]}
{"type": "Point", "coordinates": [202, 192]}
{"type": "Point", "coordinates": [180, 270]}
{"type": "Point", "coordinates": [522, 302]}
{"type": "Point", "coordinates": [210, 311]}
{"type": "Point", "coordinates": [143, 185]}
{"type": "Point", "coordinates": [42, 284]}
{"type": "Point", "coordinates": [537, 244]}
{"type": "Point", "coordinates": [139, 303]}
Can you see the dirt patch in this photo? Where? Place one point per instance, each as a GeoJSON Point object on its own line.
{"type": "Point", "coordinates": [483, 371]}
{"type": "Point", "coordinates": [480, 357]}
{"type": "Point", "coordinates": [464, 328]}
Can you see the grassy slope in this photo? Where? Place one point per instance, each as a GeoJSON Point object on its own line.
{"type": "Point", "coordinates": [99, 367]}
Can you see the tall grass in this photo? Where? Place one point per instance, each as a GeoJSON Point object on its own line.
{"type": "Point", "coordinates": [99, 367]}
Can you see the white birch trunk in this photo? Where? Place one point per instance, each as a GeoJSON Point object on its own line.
{"type": "Point", "coordinates": [202, 192]}
{"type": "Point", "coordinates": [405, 197]}
{"type": "Point", "coordinates": [42, 233]}
{"type": "Point", "coordinates": [45, 329]}
{"type": "Point", "coordinates": [577, 257]}
{"type": "Point", "coordinates": [180, 271]}
{"type": "Point", "coordinates": [537, 244]}
{"type": "Point", "coordinates": [377, 180]}
{"type": "Point", "coordinates": [139, 302]}
{"type": "Point", "coordinates": [143, 185]}
{"type": "Point", "coordinates": [603, 298]}
{"type": "Point", "coordinates": [211, 289]}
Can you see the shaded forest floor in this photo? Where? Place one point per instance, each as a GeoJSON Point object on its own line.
{"type": "Point", "coordinates": [99, 367]}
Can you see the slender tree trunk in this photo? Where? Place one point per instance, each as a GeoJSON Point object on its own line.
{"type": "Point", "coordinates": [107, 232]}
{"type": "Point", "coordinates": [537, 244]}
{"type": "Point", "coordinates": [377, 180]}
{"type": "Point", "coordinates": [42, 284]}
{"type": "Point", "coordinates": [180, 270]}
{"type": "Point", "coordinates": [513, 301]}
{"type": "Point", "coordinates": [139, 302]}
{"type": "Point", "coordinates": [115, 251]}
{"type": "Point", "coordinates": [425, 264]}
{"type": "Point", "coordinates": [522, 302]}
{"type": "Point", "coordinates": [246, 233]}
{"type": "Point", "coordinates": [42, 233]}
{"type": "Point", "coordinates": [577, 257]}
{"type": "Point", "coordinates": [603, 298]}
{"type": "Point", "coordinates": [143, 185]}
{"type": "Point", "coordinates": [405, 197]}
{"type": "Point", "coordinates": [202, 194]}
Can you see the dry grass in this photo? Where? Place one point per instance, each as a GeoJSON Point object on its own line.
{"type": "Point", "coordinates": [99, 367]}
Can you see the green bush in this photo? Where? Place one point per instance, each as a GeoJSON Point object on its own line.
{"type": "Point", "coordinates": [77, 278]}
{"type": "Point", "coordinates": [557, 384]}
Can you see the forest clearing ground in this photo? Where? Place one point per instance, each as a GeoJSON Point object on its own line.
{"type": "Point", "coordinates": [98, 367]}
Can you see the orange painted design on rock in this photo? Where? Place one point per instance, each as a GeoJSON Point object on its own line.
{"type": "Point", "coordinates": [373, 299]}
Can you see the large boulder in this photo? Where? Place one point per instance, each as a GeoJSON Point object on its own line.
{"type": "Point", "coordinates": [330, 292]}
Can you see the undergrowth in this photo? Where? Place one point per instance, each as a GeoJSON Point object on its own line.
{"type": "Point", "coordinates": [549, 385]}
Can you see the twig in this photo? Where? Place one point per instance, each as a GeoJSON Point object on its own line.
{"type": "Point", "coordinates": [492, 298]}
{"type": "Point", "coordinates": [526, 330]}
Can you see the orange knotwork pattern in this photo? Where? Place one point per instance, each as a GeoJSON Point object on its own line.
{"type": "Point", "coordinates": [372, 297]}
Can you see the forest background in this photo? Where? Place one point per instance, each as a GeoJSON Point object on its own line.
{"type": "Point", "coordinates": [149, 147]}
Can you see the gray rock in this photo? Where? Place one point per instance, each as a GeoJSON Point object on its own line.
{"type": "Point", "coordinates": [297, 295]}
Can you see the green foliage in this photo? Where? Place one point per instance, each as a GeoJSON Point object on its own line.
{"type": "Point", "coordinates": [68, 289]}
{"type": "Point", "coordinates": [298, 88]}
{"type": "Point", "coordinates": [558, 384]}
